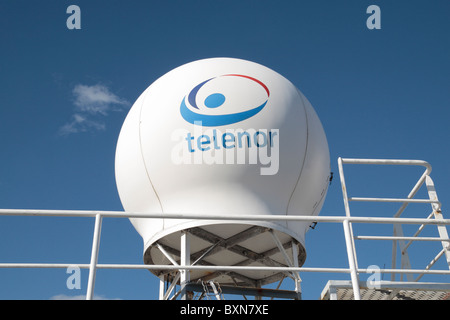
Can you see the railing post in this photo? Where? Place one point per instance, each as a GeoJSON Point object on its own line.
{"type": "Point", "coordinates": [185, 261]}
{"type": "Point", "coordinates": [344, 187]}
{"type": "Point", "coordinates": [442, 229]}
{"type": "Point", "coordinates": [352, 260]}
{"type": "Point", "coordinates": [348, 230]}
{"type": "Point", "coordinates": [162, 283]}
{"type": "Point", "coordinates": [94, 256]}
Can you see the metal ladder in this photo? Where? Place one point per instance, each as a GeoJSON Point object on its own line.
{"type": "Point", "coordinates": [216, 291]}
{"type": "Point", "coordinates": [398, 236]}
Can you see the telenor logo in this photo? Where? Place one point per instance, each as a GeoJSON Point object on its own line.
{"type": "Point", "coordinates": [219, 90]}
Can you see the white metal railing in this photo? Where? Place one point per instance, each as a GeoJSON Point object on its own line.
{"type": "Point", "coordinates": [398, 237]}
{"type": "Point", "coordinates": [93, 266]}
{"type": "Point", "coordinates": [346, 222]}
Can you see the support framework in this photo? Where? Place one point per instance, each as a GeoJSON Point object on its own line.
{"type": "Point", "coordinates": [238, 279]}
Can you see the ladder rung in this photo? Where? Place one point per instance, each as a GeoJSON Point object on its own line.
{"type": "Point", "coordinates": [392, 200]}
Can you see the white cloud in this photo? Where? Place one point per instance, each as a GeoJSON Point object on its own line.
{"type": "Point", "coordinates": [96, 99]}
{"type": "Point", "coordinates": [80, 123]}
{"type": "Point", "coordinates": [92, 104]}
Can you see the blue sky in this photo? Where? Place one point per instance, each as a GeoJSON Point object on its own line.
{"type": "Point", "coordinates": [65, 93]}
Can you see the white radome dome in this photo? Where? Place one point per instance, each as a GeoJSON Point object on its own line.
{"type": "Point", "coordinates": [222, 136]}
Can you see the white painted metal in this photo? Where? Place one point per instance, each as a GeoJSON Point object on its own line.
{"type": "Point", "coordinates": [436, 206]}
{"type": "Point", "coordinates": [162, 282]}
{"type": "Point", "coordinates": [94, 256]}
{"type": "Point", "coordinates": [212, 268]}
{"type": "Point", "coordinates": [185, 261]}
{"type": "Point", "coordinates": [392, 200]}
{"type": "Point", "coordinates": [216, 291]}
{"type": "Point", "coordinates": [291, 263]}
{"type": "Point", "coordinates": [346, 220]}
{"type": "Point", "coordinates": [167, 255]}
{"type": "Point", "coordinates": [432, 262]}
{"type": "Point", "coordinates": [352, 260]}
{"type": "Point", "coordinates": [411, 239]}
{"type": "Point", "coordinates": [405, 262]}
{"type": "Point", "coordinates": [350, 241]}
{"type": "Point", "coordinates": [309, 219]}
{"type": "Point", "coordinates": [329, 219]}
{"type": "Point", "coordinates": [172, 285]}
{"type": "Point", "coordinates": [298, 280]}
{"type": "Point", "coordinates": [398, 236]}
{"type": "Point", "coordinates": [419, 230]}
